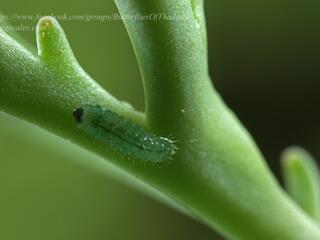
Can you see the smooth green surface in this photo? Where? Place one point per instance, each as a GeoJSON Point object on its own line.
{"type": "Point", "coordinates": [302, 180]}
{"type": "Point", "coordinates": [218, 173]}
{"type": "Point", "coordinates": [51, 189]}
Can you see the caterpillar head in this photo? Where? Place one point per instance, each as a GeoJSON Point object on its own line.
{"type": "Point", "coordinates": [78, 114]}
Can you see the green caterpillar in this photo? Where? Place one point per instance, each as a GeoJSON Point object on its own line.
{"type": "Point", "coordinates": [123, 136]}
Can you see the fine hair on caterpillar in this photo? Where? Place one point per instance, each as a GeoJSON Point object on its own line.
{"type": "Point", "coordinates": [123, 136]}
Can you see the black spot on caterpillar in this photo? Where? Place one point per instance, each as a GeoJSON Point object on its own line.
{"type": "Point", "coordinates": [123, 136]}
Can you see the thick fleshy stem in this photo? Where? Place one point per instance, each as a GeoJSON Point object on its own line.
{"type": "Point", "coordinates": [218, 174]}
{"type": "Point", "coordinates": [302, 180]}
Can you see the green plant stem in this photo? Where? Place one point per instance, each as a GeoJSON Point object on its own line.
{"type": "Point", "coordinates": [302, 180]}
{"type": "Point", "coordinates": [173, 62]}
{"type": "Point", "coordinates": [199, 16]}
{"type": "Point", "coordinates": [218, 174]}
{"type": "Point", "coordinates": [35, 86]}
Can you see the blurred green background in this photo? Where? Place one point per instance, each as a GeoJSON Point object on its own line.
{"type": "Point", "coordinates": [264, 58]}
